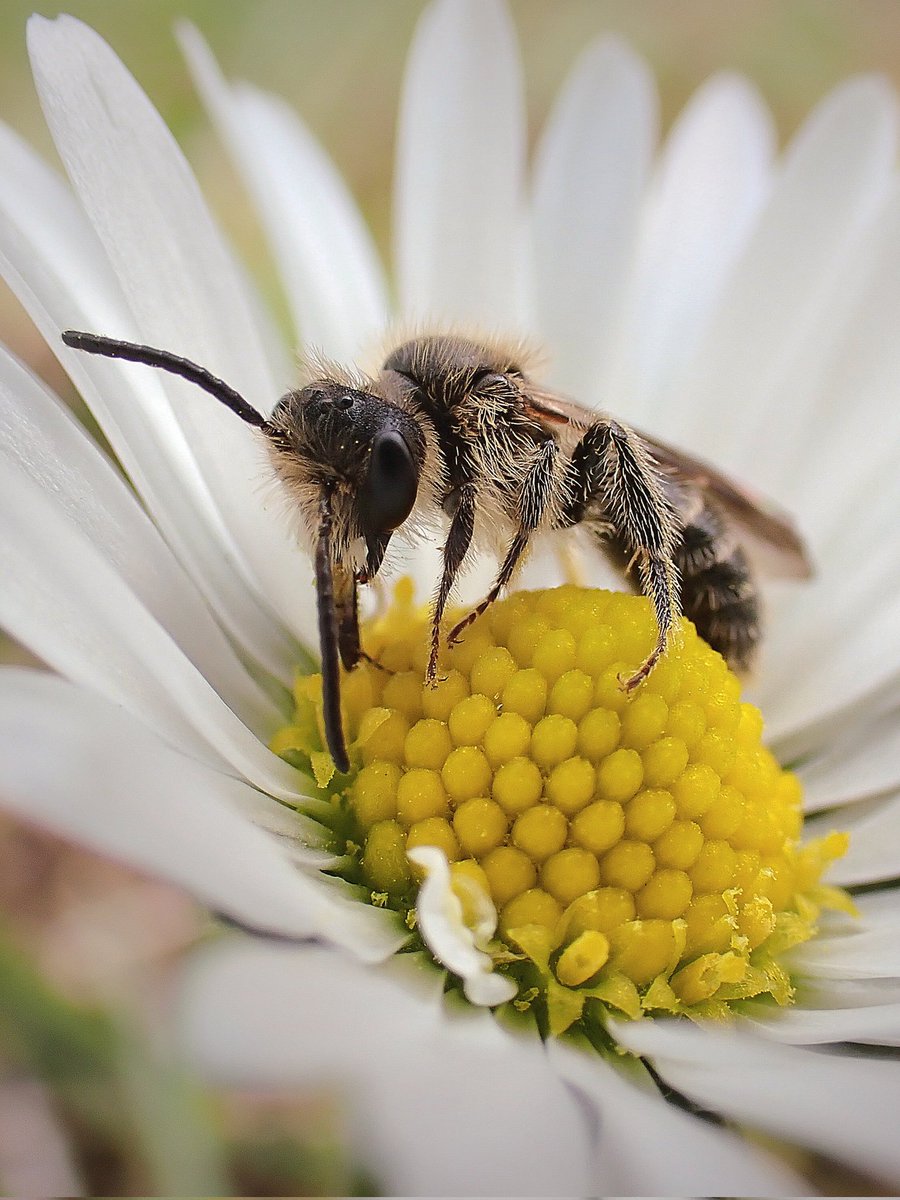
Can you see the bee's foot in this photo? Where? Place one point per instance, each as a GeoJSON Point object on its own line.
{"type": "Point", "coordinates": [373, 662]}
{"type": "Point", "coordinates": [454, 637]}
{"type": "Point", "coordinates": [431, 674]}
{"type": "Point", "coordinates": [628, 683]}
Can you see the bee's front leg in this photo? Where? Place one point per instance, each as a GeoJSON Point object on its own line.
{"type": "Point", "coordinates": [612, 467]}
{"type": "Point", "coordinates": [346, 609]}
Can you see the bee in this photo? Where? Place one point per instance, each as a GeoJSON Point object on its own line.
{"type": "Point", "coordinates": [454, 430]}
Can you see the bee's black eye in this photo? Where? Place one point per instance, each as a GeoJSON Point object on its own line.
{"type": "Point", "coordinates": [344, 402]}
{"type": "Point", "coordinates": [389, 491]}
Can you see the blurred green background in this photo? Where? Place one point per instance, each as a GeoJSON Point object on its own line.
{"type": "Point", "coordinates": [80, 931]}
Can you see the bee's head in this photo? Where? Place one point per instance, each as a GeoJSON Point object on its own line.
{"type": "Point", "coordinates": [364, 452]}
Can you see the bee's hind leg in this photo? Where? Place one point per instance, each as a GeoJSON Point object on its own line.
{"type": "Point", "coordinates": [613, 469]}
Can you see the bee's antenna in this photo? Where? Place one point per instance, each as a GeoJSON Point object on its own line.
{"type": "Point", "coordinates": [328, 639]}
{"type": "Point", "coordinates": [112, 348]}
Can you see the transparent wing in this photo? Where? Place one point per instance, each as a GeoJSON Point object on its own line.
{"type": "Point", "coordinates": [768, 533]}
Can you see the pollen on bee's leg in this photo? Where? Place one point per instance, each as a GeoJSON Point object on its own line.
{"type": "Point", "coordinates": [547, 836]}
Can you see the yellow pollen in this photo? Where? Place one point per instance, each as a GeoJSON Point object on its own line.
{"type": "Point", "coordinates": [642, 850]}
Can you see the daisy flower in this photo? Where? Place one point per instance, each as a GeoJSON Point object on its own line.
{"type": "Point", "coordinates": [731, 301]}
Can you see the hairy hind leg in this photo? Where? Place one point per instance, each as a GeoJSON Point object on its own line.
{"type": "Point", "coordinates": [614, 471]}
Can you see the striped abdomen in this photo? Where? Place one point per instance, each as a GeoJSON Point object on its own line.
{"type": "Point", "coordinates": [717, 589]}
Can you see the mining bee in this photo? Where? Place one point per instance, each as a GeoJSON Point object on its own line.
{"type": "Point", "coordinates": [457, 426]}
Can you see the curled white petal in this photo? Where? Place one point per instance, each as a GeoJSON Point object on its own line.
{"type": "Point", "coordinates": [450, 939]}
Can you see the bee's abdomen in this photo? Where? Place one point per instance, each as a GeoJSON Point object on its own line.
{"type": "Point", "coordinates": [717, 589]}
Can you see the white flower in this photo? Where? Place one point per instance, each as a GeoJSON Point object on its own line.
{"type": "Point", "coordinates": [711, 280]}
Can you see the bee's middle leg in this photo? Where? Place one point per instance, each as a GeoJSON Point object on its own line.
{"type": "Point", "coordinates": [456, 547]}
{"type": "Point", "coordinates": [534, 498]}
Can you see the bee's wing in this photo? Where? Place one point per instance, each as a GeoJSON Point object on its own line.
{"type": "Point", "coordinates": [769, 534]}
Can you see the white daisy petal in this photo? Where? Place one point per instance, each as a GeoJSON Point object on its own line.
{"type": "Point", "coordinates": [875, 1024]}
{"type": "Point", "coordinates": [51, 259]}
{"type": "Point", "coordinates": [694, 1159]}
{"type": "Point", "coordinates": [827, 994]}
{"type": "Point", "coordinates": [458, 208]}
{"type": "Point", "coordinates": [436, 1106]}
{"type": "Point", "coordinates": [851, 372]}
{"type": "Point", "coordinates": [45, 442]}
{"type": "Point", "coordinates": [879, 906]}
{"type": "Point", "coordinates": [812, 682]}
{"type": "Point", "coordinates": [180, 283]}
{"type": "Point", "coordinates": [867, 954]}
{"type": "Point", "coordinates": [837, 382]}
{"type": "Point", "coordinates": [91, 772]}
{"type": "Point", "coordinates": [590, 172]}
{"type": "Point", "coordinates": [874, 852]}
{"type": "Point", "coordinates": [863, 762]}
{"type": "Point", "coordinates": [325, 254]}
{"type": "Point", "coordinates": [836, 172]}
{"type": "Point", "coordinates": [713, 175]}
{"type": "Point", "coordinates": [843, 1107]}
{"type": "Point", "coordinates": [64, 600]}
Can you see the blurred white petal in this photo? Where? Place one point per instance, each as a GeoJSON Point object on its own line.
{"type": "Point", "coordinates": [836, 172]}
{"type": "Point", "coordinates": [848, 387]}
{"type": "Point", "coordinates": [436, 1105]}
{"type": "Point", "coordinates": [323, 250]}
{"type": "Point", "coordinates": [714, 173]}
{"type": "Point", "coordinates": [458, 204]}
{"type": "Point", "coordinates": [866, 954]}
{"type": "Point", "coordinates": [590, 173]}
{"type": "Point", "coordinates": [874, 852]}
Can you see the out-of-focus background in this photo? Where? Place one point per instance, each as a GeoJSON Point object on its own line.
{"type": "Point", "coordinates": [87, 948]}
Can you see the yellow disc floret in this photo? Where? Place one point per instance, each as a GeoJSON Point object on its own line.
{"type": "Point", "coordinates": [641, 849]}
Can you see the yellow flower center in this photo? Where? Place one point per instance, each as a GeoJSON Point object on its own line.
{"type": "Point", "coordinates": [642, 851]}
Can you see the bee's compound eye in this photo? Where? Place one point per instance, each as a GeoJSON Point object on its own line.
{"type": "Point", "coordinates": [389, 491]}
